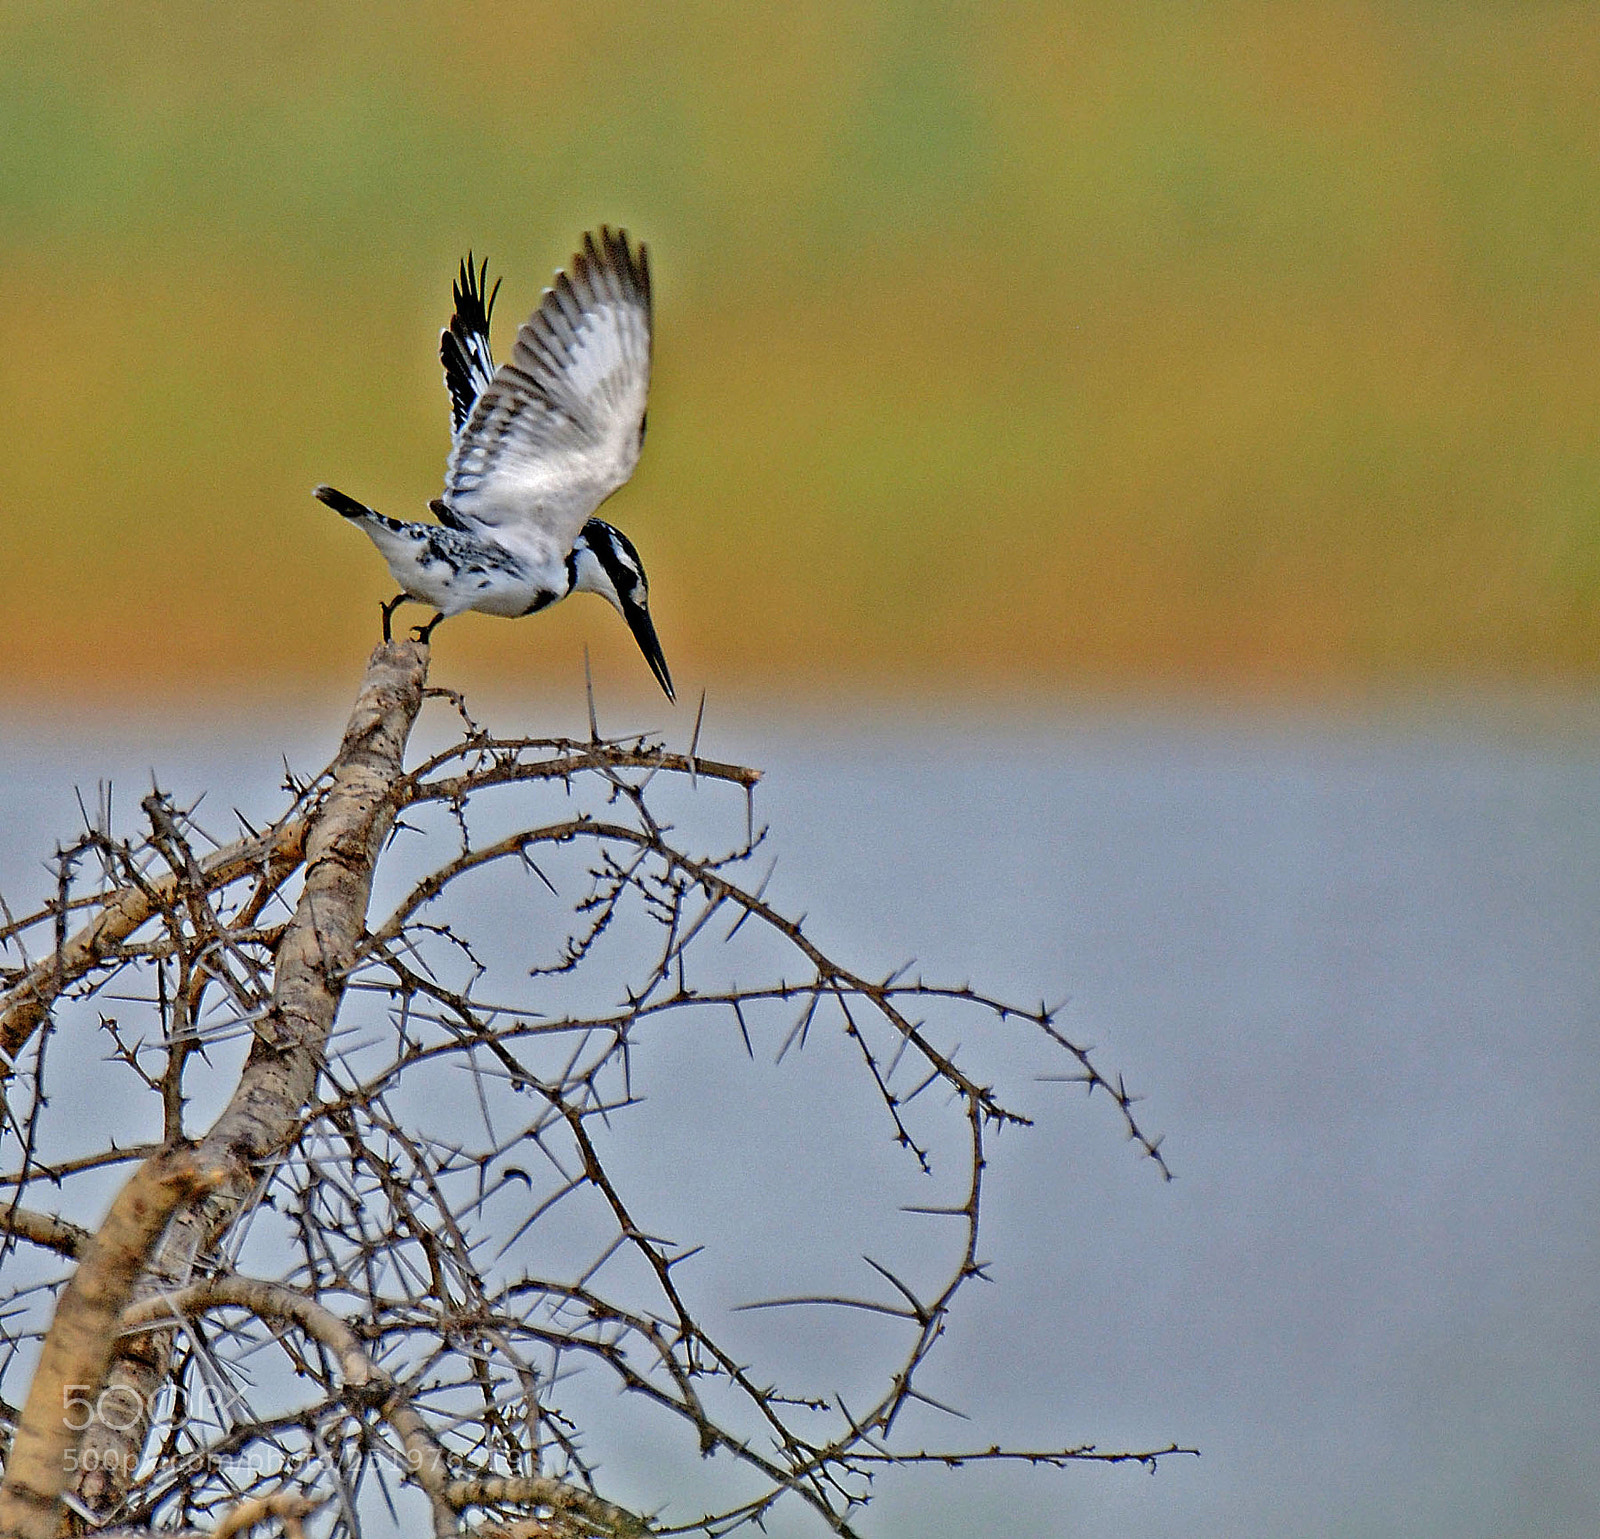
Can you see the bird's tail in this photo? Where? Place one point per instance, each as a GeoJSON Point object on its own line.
{"type": "Point", "coordinates": [341, 504]}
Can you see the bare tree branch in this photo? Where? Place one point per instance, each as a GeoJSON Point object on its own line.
{"type": "Point", "coordinates": [47, 1229]}
{"type": "Point", "coordinates": [23, 1006]}
{"type": "Point", "coordinates": [425, 1145]}
{"type": "Point", "coordinates": [342, 843]}
{"type": "Point", "coordinates": [284, 1507]}
{"type": "Point", "coordinates": [77, 1351]}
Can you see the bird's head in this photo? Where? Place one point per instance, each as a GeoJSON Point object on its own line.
{"type": "Point", "coordinates": [605, 562]}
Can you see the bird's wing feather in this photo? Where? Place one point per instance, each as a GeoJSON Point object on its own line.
{"type": "Point", "coordinates": [558, 428]}
{"type": "Point", "coordinates": [464, 343]}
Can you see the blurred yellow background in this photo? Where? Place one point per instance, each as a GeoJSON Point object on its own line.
{"type": "Point", "coordinates": [1013, 345]}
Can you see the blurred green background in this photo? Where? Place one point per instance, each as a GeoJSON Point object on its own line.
{"type": "Point", "coordinates": [998, 346]}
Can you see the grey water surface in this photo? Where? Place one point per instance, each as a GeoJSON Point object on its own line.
{"type": "Point", "coordinates": [1352, 964]}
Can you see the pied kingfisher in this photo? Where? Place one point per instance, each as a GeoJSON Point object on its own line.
{"type": "Point", "coordinates": [538, 444]}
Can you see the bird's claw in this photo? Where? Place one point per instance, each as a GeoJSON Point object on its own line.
{"type": "Point", "coordinates": [387, 610]}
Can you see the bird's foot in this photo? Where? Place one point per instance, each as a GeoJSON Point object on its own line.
{"type": "Point", "coordinates": [422, 633]}
{"type": "Point", "coordinates": [388, 613]}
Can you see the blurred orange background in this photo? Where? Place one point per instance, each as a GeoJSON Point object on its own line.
{"type": "Point", "coordinates": [999, 346]}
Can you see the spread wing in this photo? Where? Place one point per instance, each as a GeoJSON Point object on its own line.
{"type": "Point", "coordinates": [558, 427]}
{"type": "Point", "coordinates": [464, 343]}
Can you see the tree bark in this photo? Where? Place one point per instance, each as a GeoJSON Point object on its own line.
{"type": "Point", "coordinates": [343, 839]}
{"type": "Point", "coordinates": [77, 1351]}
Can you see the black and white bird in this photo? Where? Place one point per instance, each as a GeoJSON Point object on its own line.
{"type": "Point", "coordinates": [538, 445]}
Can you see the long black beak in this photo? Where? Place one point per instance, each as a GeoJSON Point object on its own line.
{"type": "Point", "coordinates": [644, 632]}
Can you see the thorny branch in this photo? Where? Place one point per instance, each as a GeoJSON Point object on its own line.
{"type": "Point", "coordinates": [439, 1184]}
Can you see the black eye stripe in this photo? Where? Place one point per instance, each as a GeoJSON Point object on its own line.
{"type": "Point", "coordinates": [619, 561]}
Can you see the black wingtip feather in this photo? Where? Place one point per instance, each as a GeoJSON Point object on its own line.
{"type": "Point", "coordinates": [464, 343]}
{"type": "Point", "coordinates": [613, 253]}
{"type": "Point", "coordinates": [473, 306]}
